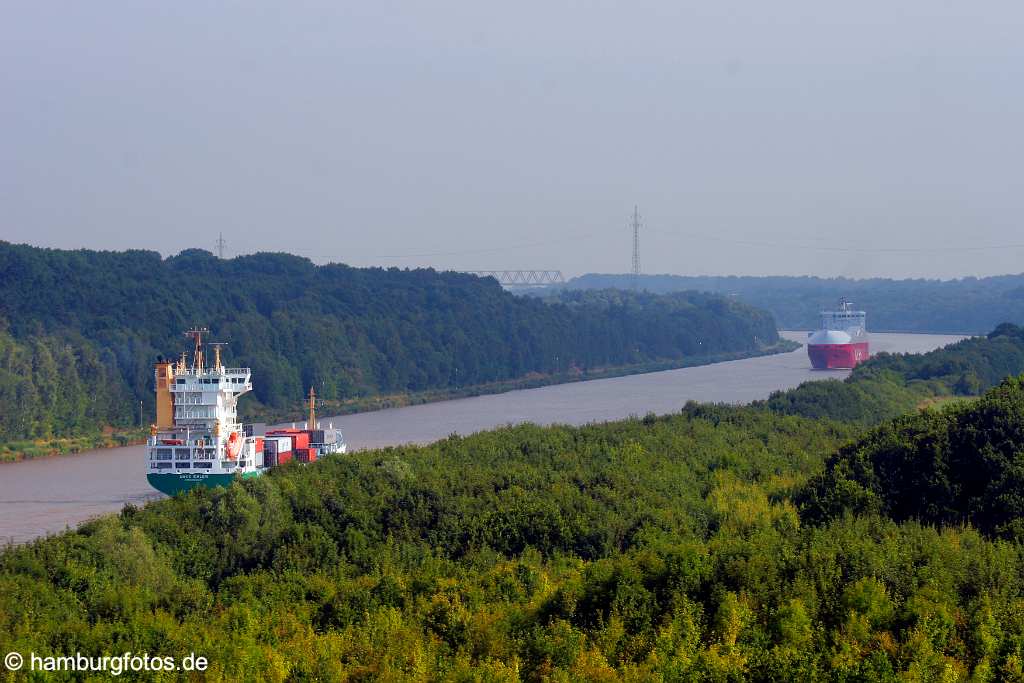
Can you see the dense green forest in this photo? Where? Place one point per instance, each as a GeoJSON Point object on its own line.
{"type": "Point", "coordinates": [660, 547]}
{"type": "Point", "coordinates": [962, 465]}
{"type": "Point", "coordinates": [965, 306]}
{"type": "Point", "coordinates": [888, 385]}
{"type": "Point", "coordinates": [719, 543]}
{"type": "Point", "coordinates": [346, 331]}
{"type": "Point", "coordinates": [51, 386]}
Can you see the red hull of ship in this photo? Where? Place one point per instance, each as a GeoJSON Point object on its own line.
{"type": "Point", "coordinates": [837, 356]}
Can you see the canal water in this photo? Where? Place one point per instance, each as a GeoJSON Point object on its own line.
{"type": "Point", "coordinates": [44, 496]}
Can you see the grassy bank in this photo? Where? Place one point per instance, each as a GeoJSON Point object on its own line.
{"type": "Point", "coordinates": [364, 404]}
{"type": "Point", "coordinates": [13, 451]}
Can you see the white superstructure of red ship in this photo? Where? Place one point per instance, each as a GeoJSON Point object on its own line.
{"type": "Point", "coordinates": [841, 341]}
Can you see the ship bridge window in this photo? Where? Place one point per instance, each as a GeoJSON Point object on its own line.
{"type": "Point", "coordinates": [182, 453]}
{"type": "Point", "coordinates": [162, 465]}
{"type": "Point", "coordinates": [203, 465]}
{"type": "Point", "coordinates": [162, 454]}
{"type": "Point", "coordinates": [181, 465]}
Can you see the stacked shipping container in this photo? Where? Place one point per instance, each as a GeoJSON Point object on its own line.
{"type": "Point", "coordinates": [290, 444]}
{"type": "Point", "coordinates": [284, 445]}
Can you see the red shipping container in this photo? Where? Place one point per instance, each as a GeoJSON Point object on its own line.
{"type": "Point", "coordinates": [259, 444]}
{"type": "Point", "coordinates": [284, 457]}
{"type": "Point", "coordinates": [301, 439]}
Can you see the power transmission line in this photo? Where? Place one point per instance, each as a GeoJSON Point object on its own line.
{"type": "Point", "coordinates": [859, 250]}
{"type": "Point", "coordinates": [463, 252]}
{"type": "Point", "coordinates": [635, 224]}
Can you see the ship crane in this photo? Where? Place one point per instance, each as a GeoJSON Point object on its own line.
{"type": "Point", "coordinates": [312, 409]}
{"type": "Point", "coordinates": [217, 346]}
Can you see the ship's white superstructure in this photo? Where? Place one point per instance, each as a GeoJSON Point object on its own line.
{"type": "Point", "coordinates": [197, 438]}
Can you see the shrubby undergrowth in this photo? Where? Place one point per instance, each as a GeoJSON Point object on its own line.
{"type": "Point", "coordinates": [658, 547]}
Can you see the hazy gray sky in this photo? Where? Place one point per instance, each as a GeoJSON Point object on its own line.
{"type": "Point", "coordinates": [757, 138]}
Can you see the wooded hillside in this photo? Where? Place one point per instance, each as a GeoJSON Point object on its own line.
{"type": "Point", "coordinates": [349, 332]}
{"type": "Point", "coordinates": [965, 306]}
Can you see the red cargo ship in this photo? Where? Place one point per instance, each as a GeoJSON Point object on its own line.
{"type": "Point", "coordinates": [842, 341]}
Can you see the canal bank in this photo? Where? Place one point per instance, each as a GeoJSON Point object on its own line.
{"type": "Point", "coordinates": [45, 496]}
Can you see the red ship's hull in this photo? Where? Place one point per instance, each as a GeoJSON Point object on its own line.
{"type": "Point", "coordinates": [836, 356]}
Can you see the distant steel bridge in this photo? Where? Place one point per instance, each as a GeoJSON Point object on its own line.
{"type": "Point", "coordinates": [522, 278]}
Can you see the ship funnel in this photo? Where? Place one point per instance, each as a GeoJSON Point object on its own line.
{"type": "Point", "coordinates": [164, 399]}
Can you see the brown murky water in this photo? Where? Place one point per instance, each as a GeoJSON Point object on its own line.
{"type": "Point", "coordinates": [38, 497]}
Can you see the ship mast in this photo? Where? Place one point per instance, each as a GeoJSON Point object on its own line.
{"type": "Point", "coordinates": [196, 333]}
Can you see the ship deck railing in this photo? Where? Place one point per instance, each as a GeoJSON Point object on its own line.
{"type": "Point", "coordinates": [193, 372]}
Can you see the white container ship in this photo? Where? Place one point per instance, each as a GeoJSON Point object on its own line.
{"type": "Point", "coordinates": [197, 439]}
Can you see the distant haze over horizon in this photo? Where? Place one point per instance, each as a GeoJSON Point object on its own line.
{"type": "Point", "coordinates": [796, 275]}
{"type": "Point", "coordinates": [571, 276]}
{"type": "Point", "coordinates": [868, 140]}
